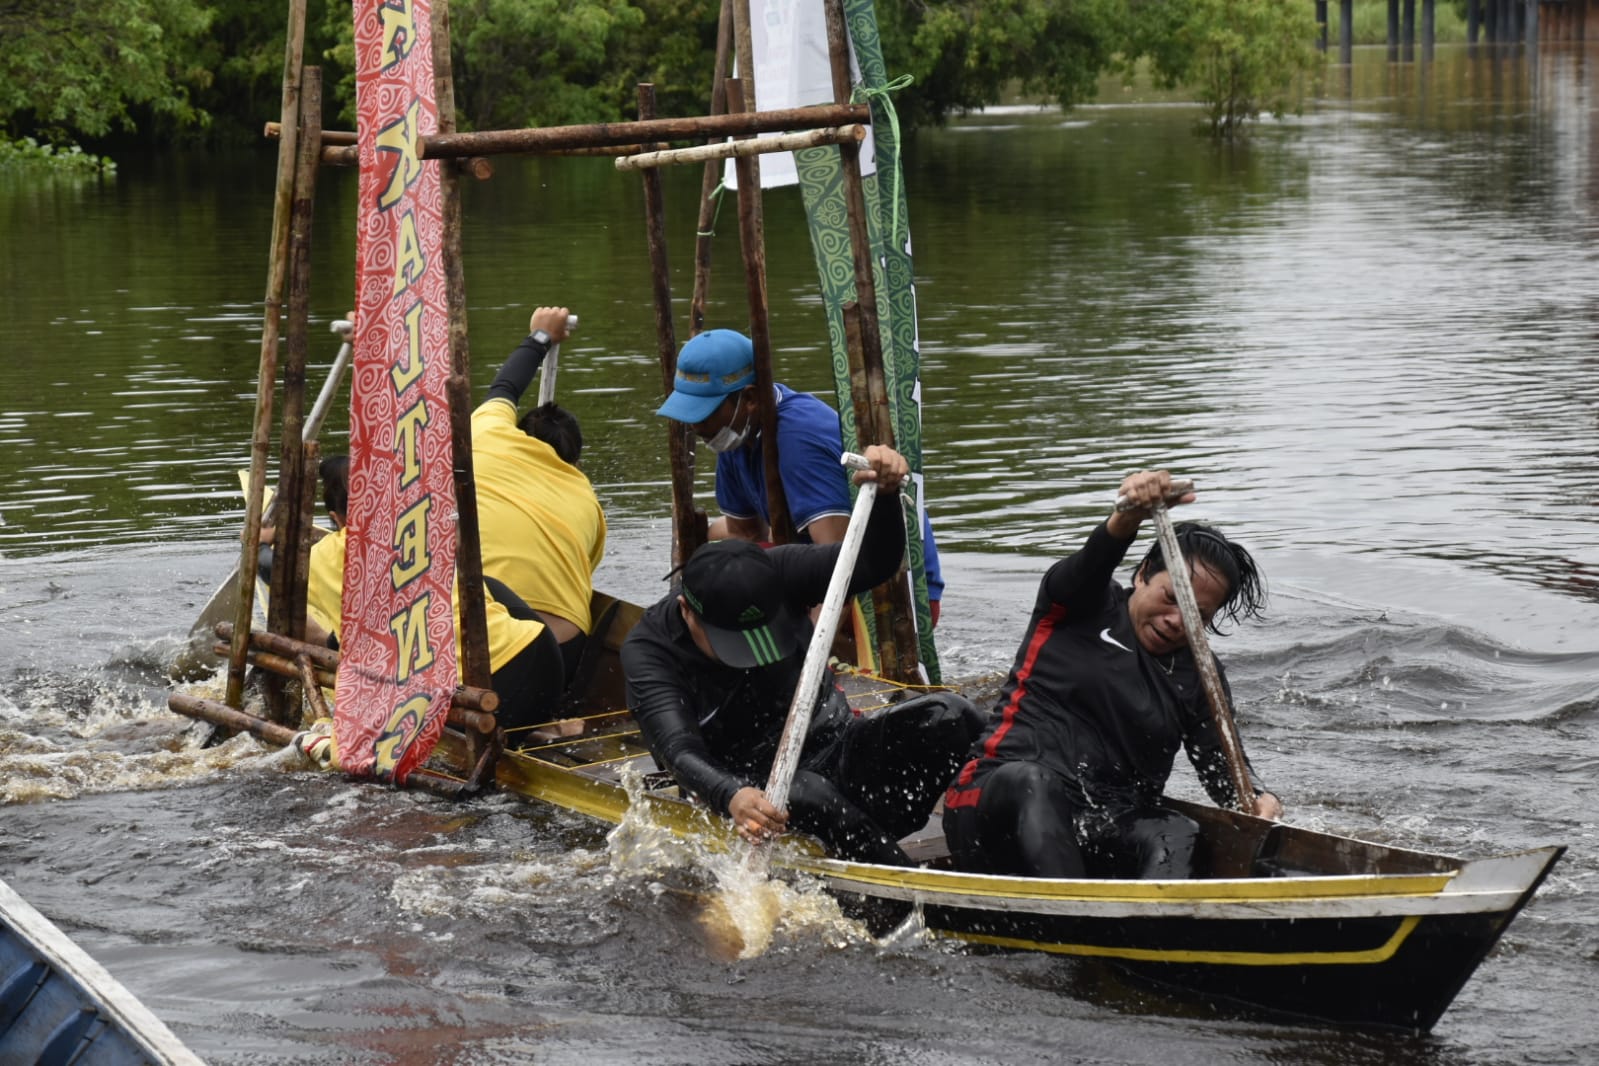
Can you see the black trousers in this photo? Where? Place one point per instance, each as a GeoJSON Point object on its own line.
{"type": "Point", "coordinates": [531, 684]}
{"type": "Point", "coordinates": [879, 780]}
{"type": "Point", "coordinates": [1029, 821]}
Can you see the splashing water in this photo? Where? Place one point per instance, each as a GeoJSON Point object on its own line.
{"type": "Point", "coordinates": [739, 911]}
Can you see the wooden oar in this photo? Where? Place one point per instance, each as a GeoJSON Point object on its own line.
{"type": "Point", "coordinates": [1194, 626]}
{"type": "Point", "coordinates": [786, 760]}
{"type": "Point", "coordinates": [330, 388]}
{"type": "Point", "coordinates": [547, 370]}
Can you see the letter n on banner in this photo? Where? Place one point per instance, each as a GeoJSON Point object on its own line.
{"type": "Point", "coordinates": [397, 670]}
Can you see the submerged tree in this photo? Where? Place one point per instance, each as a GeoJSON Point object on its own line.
{"type": "Point", "coordinates": [1241, 57]}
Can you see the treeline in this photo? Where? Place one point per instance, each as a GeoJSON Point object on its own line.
{"type": "Point", "coordinates": [114, 73]}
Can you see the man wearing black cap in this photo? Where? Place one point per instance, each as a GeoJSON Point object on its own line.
{"type": "Point", "coordinates": [711, 671]}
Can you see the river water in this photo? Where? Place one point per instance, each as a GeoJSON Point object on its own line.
{"type": "Point", "coordinates": [1369, 335]}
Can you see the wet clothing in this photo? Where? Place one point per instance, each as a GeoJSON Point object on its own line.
{"type": "Point", "coordinates": [541, 528]}
{"type": "Point", "coordinates": [815, 484]}
{"type": "Point", "coordinates": [524, 656]}
{"type": "Point", "coordinates": [1067, 777]}
{"type": "Point", "coordinates": [862, 782]}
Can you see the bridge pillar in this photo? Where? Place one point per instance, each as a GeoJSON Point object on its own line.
{"type": "Point", "coordinates": [1346, 31]}
{"type": "Point", "coordinates": [1393, 30]}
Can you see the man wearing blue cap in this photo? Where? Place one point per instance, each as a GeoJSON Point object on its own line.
{"type": "Point", "coordinates": [714, 392]}
{"type": "Point", "coordinates": [712, 667]}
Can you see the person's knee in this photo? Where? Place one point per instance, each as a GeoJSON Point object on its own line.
{"type": "Point", "coordinates": [1162, 845]}
{"type": "Point", "coordinates": [1019, 781]}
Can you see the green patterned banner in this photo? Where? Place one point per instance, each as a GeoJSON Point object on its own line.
{"type": "Point", "coordinates": [821, 179]}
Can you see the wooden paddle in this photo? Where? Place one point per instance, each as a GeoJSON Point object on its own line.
{"type": "Point", "coordinates": [547, 370]}
{"type": "Point", "coordinates": [786, 760]}
{"type": "Point", "coordinates": [1194, 626]}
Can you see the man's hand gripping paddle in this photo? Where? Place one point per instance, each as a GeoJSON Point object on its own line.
{"type": "Point", "coordinates": [1194, 626]}
{"type": "Point", "coordinates": [547, 371]}
{"type": "Point", "coordinates": [786, 760]}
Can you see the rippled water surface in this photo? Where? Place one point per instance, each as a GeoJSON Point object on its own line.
{"type": "Point", "coordinates": [1369, 334]}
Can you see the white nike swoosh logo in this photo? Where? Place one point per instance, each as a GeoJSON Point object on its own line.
{"type": "Point", "coordinates": [1104, 634]}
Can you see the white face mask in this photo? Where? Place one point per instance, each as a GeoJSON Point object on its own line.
{"type": "Point", "coordinates": [726, 438]}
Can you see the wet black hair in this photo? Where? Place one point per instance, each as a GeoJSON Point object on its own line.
{"type": "Point", "coordinates": [1205, 545]}
{"type": "Point", "coordinates": [335, 471]}
{"type": "Point", "coordinates": [557, 427]}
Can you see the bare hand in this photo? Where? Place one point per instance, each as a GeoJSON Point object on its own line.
{"type": "Point", "coordinates": [889, 468]}
{"type": "Point", "coordinates": [551, 320]}
{"type": "Point", "coordinates": [1137, 497]}
{"type": "Point", "coordinates": [756, 820]}
{"type": "Point", "coordinates": [1268, 806]}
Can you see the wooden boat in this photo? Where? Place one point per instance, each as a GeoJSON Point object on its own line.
{"type": "Point", "coordinates": [57, 1005]}
{"type": "Point", "coordinates": [1282, 919]}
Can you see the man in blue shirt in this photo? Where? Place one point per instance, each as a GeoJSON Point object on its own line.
{"type": "Point", "coordinates": [714, 392]}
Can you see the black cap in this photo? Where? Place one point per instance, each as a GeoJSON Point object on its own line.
{"type": "Point", "coordinates": [733, 588]}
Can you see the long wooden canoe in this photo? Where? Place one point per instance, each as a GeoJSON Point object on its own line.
{"type": "Point", "coordinates": [1284, 919]}
{"type": "Point", "coordinates": [1277, 918]}
{"type": "Point", "coordinates": [57, 1005]}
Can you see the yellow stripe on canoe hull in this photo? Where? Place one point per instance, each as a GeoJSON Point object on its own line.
{"type": "Point", "coordinates": [1364, 957]}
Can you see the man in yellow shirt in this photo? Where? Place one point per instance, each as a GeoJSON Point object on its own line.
{"type": "Point", "coordinates": [524, 655]}
{"type": "Point", "coordinates": [541, 527]}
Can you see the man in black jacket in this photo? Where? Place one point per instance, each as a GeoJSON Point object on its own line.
{"type": "Point", "coordinates": [711, 670]}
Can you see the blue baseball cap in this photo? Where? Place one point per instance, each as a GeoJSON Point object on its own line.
{"type": "Point", "coordinates": [711, 366]}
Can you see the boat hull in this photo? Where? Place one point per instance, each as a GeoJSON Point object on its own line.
{"type": "Point", "coordinates": [1288, 921]}
{"type": "Point", "coordinates": [58, 1005]}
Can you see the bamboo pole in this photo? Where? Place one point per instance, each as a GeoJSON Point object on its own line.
{"type": "Point", "coordinates": [286, 612]}
{"type": "Point", "coordinates": [688, 521]}
{"type": "Point", "coordinates": [752, 242]}
{"type": "Point", "coordinates": [469, 591]}
{"type": "Point", "coordinates": [312, 690]}
{"type": "Point", "coordinates": [310, 455]}
{"type": "Point", "coordinates": [898, 657]}
{"type": "Point", "coordinates": [469, 697]}
{"type": "Point", "coordinates": [779, 142]}
{"type": "Point", "coordinates": [293, 61]}
{"type": "Point", "coordinates": [710, 180]}
{"type": "Point", "coordinates": [859, 234]}
{"type": "Point", "coordinates": [230, 718]}
{"type": "Point", "coordinates": [478, 167]}
{"type": "Point", "coordinates": [547, 140]}
{"type": "Point", "coordinates": [744, 46]}
{"type": "Point", "coordinates": [460, 716]}
{"type": "Point", "coordinates": [892, 602]}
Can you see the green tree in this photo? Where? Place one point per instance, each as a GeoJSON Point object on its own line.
{"type": "Point", "coordinates": [79, 68]}
{"type": "Point", "coordinates": [965, 54]}
{"type": "Point", "coordinates": [1241, 57]}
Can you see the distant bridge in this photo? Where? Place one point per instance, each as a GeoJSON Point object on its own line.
{"type": "Point", "coordinates": [1499, 21]}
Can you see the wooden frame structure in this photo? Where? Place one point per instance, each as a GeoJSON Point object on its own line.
{"type": "Point", "coordinates": [644, 146]}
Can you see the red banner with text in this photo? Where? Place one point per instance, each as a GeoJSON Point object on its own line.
{"type": "Point", "coordinates": [397, 667]}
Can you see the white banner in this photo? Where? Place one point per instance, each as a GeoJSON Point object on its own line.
{"type": "Point", "coordinates": [792, 70]}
